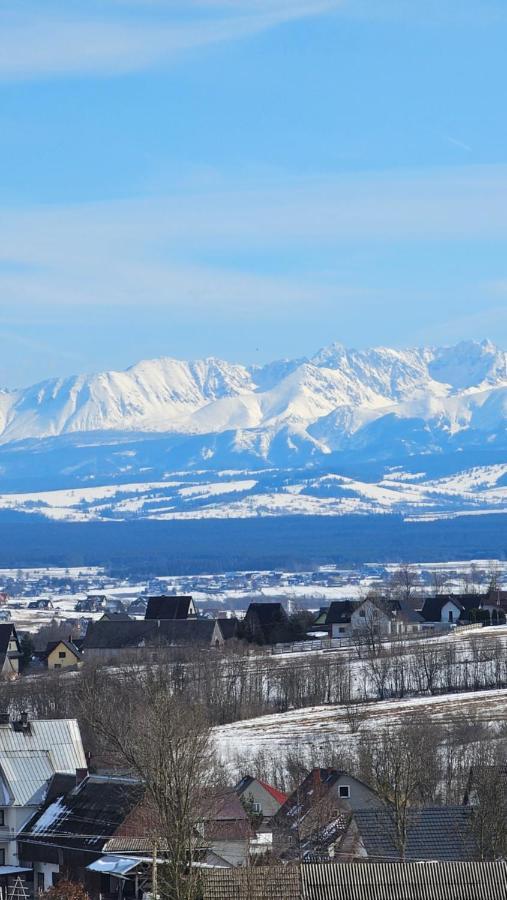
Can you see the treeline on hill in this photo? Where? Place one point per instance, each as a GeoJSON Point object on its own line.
{"type": "Point", "coordinates": [221, 545]}
{"type": "Point", "coordinates": [124, 717]}
{"type": "Point", "coordinates": [237, 684]}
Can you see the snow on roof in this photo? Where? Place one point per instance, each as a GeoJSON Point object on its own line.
{"type": "Point", "coordinates": [46, 819]}
{"type": "Point", "coordinates": [116, 865]}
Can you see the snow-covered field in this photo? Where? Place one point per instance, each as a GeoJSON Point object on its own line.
{"type": "Point", "coordinates": [314, 726]}
{"type": "Point", "coordinates": [229, 494]}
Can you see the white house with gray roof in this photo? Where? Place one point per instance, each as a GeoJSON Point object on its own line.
{"type": "Point", "coordinates": [31, 754]}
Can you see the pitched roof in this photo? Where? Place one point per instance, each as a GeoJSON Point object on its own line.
{"type": "Point", "coordinates": [434, 833]}
{"type": "Point", "coordinates": [105, 635]}
{"type": "Point", "coordinates": [70, 645]}
{"type": "Point", "coordinates": [465, 602]}
{"type": "Point", "coordinates": [279, 796]}
{"type": "Point", "coordinates": [375, 881]}
{"type": "Point", "coordinates": [267, 613]}
{"type": "Point", "coordinates": [432, 607]}
{"type": "Point", "coordinates": [228, 628]}
{"type": "Point", "coordinates": [7, 630]}
{"type": "Point", "coordinates": [340, 611]}
{"type": "Point", "coordinates": [312, 789]}
{"type": "Point", "coordinates": [168, 607]}
{"type": "Point", "coordinates": [404, 881]}
{"type": "Point", "coordinates": [30, 756]}
{"type": "Point", "coordinates": [87, 816]}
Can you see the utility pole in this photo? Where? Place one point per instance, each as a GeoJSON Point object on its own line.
{"type": "Point", "coordinates": [154, 872]}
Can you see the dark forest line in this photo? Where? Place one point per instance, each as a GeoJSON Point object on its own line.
{"type": "Point", "coordinates": [221, 545]}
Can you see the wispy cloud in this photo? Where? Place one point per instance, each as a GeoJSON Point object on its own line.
{"type": "Point", "coordinates": [76, 38]}
{"type": "Point", "coordinates": [179, 252]}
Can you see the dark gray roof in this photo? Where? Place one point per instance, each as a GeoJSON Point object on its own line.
{"type": "Point", "coordinates": [267, 613]}
{"type": "Point", "coordinates": [372, 881]}
{"type": "Point", "coordinates": [432, 606]}
{"type": "Point", "coordinates": [434, 833]}
{"type": "Point", "coordinates": [166, 607]}
{"type": "Point", "coordinates": [340, 611]}
{"type": "Point", "coordinates": [405, 881]}
{"type": "Point", "coordinates": [228, 627]}
{"type": "Point", "coordinates": [87, 816]}
{"type": "Point", "coordinates": [7, 630]}
{"type": "Point", "coordinates": [105, 635]}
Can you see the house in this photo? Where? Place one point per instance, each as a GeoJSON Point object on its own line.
{"type": "Point", "coordinates": [91, 604]}
{"type": "Point", "coordinates": [110, 639]}
{"type": "Point", "coordinates": [5, 615]}
{"type": "Point", "coordinates": [386, 616]}
{"type": "Point", "coordinates": [32, 752]}
{"type": "Point", "coordinates": [320, 619]}
{"type": "Point", "coordinates": [375, 881]}
{"type": "Point", "coordinates": [446, 609]}
{"type": "Point", "coordinates": [138, 607]}
{"type": "Point", "coordinates": [71, 830]}
{"type": "Point", "coordinates": [10, 651]}
{"type": "Point", "coordinates": [115, 617]}
{"type": "Point", "coordinates": [41, 603]}
{"type": "Point", "coordinates": [259, 797]}
{"type": "Point", "coordinates": [226, 828]}
{"type": "Point", "coordinates": [62, 654]}
{"type": "Point", "coordinates": [322, 798]}
{"type": "Point", "coordinates": [225, 630]}
{"type": "Point", "coordinates": [338, 617]}
{"type": "Point", "coordinates": [434, 834]}
{"type": "Point", "coordinates": [265, 623]}
{"type": "Point", "coordinates": [166, 607]}
{"type": "Point", "coordinates": [115, 606]}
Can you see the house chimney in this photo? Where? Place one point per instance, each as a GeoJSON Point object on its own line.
{"type": "Point", "coordinates": [24, 719]}
{"type": "Point", "coordinates": [81, 774]}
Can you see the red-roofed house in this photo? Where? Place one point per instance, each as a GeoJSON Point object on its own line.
{"type": "Point", "coordinates": [260, 797]}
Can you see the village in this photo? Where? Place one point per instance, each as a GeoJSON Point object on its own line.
{"type": "Point", "coordinates": [307, 737]}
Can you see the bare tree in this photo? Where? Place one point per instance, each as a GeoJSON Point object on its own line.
{"type": "Point", "coordinates": [397, 764]}
{"type": "Point", "coordinates": [146, 729]}
{"type": "Point", "coordinates": [487, 795]}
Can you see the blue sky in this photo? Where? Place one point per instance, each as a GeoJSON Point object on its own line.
{"type": "Point", "coordinates": [248, 179]}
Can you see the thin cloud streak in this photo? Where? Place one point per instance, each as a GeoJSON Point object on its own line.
{"type": "Point", "coordinates": [50, 44]}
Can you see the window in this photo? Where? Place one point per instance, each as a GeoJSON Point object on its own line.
{"type": "Point", "coordinates": [40, 882]}
{"type": "Point", "coordinates": [341, 629]}
{"type": "Point", "coordinates": [2, 817]}
{"type": "Point", "coordinates": [256, 808]}
{"type": "Point", "coordinates": [2, 857]}
{"type": "Point", "coordinates": [58, 665]}
{"type": "Point", "coordinates": [62, 654]}
{"type": "Point", "coordinates": [362, 613]}
{"type": "Point", "coordinates": [450, 615]}
{"type": "Point", "coordinates": [344, 791]}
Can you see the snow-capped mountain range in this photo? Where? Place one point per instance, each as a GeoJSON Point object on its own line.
{"type": "Point", "coordinates": [381, 407]}
{"type": "Point", "coordinates": [326, 401]}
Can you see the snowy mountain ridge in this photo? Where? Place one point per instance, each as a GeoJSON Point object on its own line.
{"type": "Point", "coordinates": [335, 399]}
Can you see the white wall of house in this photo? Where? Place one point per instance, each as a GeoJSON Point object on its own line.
{"type": "Point", "coordinates": [450, 612]}
{"type": "Point", "coordinates": [235, 852]}
{"type": "Point", "coordinates": [14, 817]}
{"type": "Point", "coordinates": [43, 875]}
{"type": "Point", "coordinates": [341, 630]}
{"type": "Point", "coordinates": [369, 613]}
